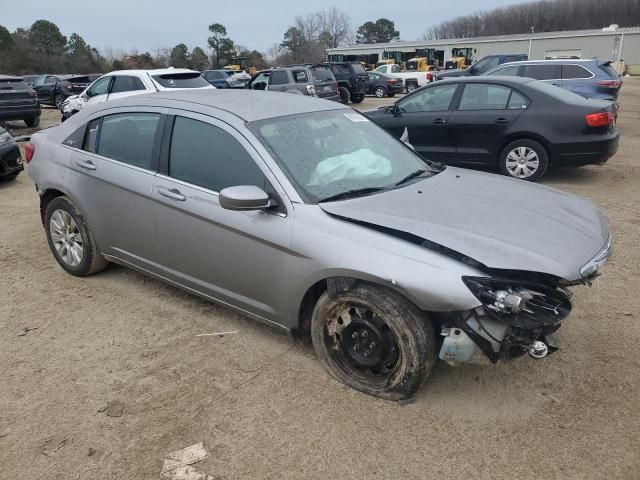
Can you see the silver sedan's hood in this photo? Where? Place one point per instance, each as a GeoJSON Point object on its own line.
{"type": "Point", "coordinates": [500, 222]}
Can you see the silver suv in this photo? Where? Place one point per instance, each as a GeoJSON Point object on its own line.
{"type": "Point", "coordinates": [313, 80]}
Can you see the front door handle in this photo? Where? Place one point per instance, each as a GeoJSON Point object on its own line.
{"type": "Point", "coordinates": [88, 164]}
{"type": "Point", "coordinates": [439, 121]}
{"type": "Point", "coordinates": [173, 194]}
{"type": "Point", "coordinates": [502, 121]}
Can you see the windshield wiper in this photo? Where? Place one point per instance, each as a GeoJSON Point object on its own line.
{"type": "Point", "coordinates": [356, 192]}
{"type": "Point", "coordinates": [411, 176]}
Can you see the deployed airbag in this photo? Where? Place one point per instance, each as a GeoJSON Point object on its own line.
{"type": "Point", "coordinates": [358, 165]}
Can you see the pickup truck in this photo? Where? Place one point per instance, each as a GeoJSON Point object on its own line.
{"type": "Point", "coordinates": [410, 80]}
{"type": "Point", "coordinates": [484, 65]}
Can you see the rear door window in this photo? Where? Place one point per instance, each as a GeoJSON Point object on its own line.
{"type": "Point", "coordinates": [126, 83]}
{"type": "Point", "coordinates": [181, 80]}
{"type": "Point", "coordinates": [127, 137]}
{"type": "Point", "coordinates": [208, 156]}
{"type": "Point", "coordinates": [570, 72]}
{"type": "Point", "coordinates": [543, 72]}
{"type": "Point", "coordinates": [278, 77]}
{"type": "Point", "coordinates": [482, 96]}
{"type": "Point", "coordinates": [506, 71]}
{"type": "Point", "coordinates": [300, 76]}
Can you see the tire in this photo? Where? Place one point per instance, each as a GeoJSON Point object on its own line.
{"type": "Point", "coordinates": [524, 159]}
{"type": "Point", "coordinates": [345, 96]}
{"type": "Point", "coordinates": [90, 260]}
{"type": "Point", "coordinates": [357, 98]}
{"type": "Point", "coordinates": [406, 349]}
{"type": "Point", "coordinates": [411, 86]}
{"type": "Point", "coordinates": [32, 122]}
{"type": "Point", "coordinates": [59, 98]}
{"type": "Point", "coordinates": [380, 92]}
{"type": "Point", "coordinates": [10, 178]}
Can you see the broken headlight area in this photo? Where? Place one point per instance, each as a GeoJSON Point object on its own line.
{"type": "Point", "coordinates": [516, 317]}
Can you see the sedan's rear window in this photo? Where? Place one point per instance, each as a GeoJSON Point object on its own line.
{"type": "Point", "coordinates": [322, 74]}
{"type": "Point", "coordinates": [13, 84]}
{"type": "Point", "coordinates": [181, 80]}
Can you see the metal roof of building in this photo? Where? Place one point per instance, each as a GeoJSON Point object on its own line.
{"type": "Point", "coordinates": [497, 38]}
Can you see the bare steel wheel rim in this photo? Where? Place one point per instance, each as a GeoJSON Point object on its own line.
{"type": "Point", "coordinates": [361, 342]}
{"type": "Point", "coordinates": [522, 162]}
{"type": "Point", "coordinates": [66, 238]}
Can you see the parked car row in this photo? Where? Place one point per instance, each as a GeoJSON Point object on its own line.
{"type": "Point", "coordinates": [308, 216]}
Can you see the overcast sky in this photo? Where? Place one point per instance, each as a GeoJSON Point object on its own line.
{"type": "Point", "coordinates": [147, 24]}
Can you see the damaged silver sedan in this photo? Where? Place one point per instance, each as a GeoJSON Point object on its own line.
{"type": "Point", "coordinates": [308, 217]}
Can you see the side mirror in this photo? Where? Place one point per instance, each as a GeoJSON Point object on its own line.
{"type": "Point", "coordinates": [245, 197]}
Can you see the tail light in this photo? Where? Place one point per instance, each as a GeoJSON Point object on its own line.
{"type": "Point", "coordinates": [602, 119]}
{"type": "Point", "coordinates": [29, 150]}
{"type": "Point", "coordinates": [608, 83]}
{"type": "Point", "coordinates": [429, 76]}
{"type": "Point", "coordinates": [392, 81]}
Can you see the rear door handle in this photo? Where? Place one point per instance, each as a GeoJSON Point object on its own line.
{"type": "Point", "coordinates": [173, 194]}
{"type": "Point", "coordinates": [439, 121]}
{"type": "Point", "coordinates": [88, 164]}
{"type": "Point", "coordinates": [502, 120]}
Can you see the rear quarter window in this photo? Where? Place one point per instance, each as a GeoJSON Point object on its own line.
{"type": "Point", "coordinates": [574, 72]}
{"type": "Point", "coordinates": [181, 80]}
{"type": "Point", "coordinates": [278, 77]}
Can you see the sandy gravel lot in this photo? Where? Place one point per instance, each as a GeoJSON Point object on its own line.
{"type": "Point", "coordinates": [261, 403]}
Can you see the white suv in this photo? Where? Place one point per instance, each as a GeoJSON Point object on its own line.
{"type": "Point", "coordinates": [124, 83]}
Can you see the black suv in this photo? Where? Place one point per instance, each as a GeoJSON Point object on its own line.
{"type": "Point", "coordinates": [353, 80]}
{"type": "Point", "coordinates": [54, 89]}
{"type": "Point", "coordinates": [18, 101]}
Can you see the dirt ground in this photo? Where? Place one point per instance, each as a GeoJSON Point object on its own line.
{"type": "Point", "coordinates": [261, 403]}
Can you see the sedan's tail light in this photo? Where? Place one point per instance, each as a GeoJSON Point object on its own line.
{"type": "Point", "coordinates": [392, 81]}
{"type": "Point", "coordinates": [601, 119]}
{"type": "Point", "coordinates": [608, 83]}
{"type": "Point", "coordinates": [29, 150]}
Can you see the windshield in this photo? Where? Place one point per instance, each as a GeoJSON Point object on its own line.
{"type": "Point", "coordinates": [181, 80]}
{"type": "Point", "coordinates": [329, 153]}
{"type": "Point", "coordinates": [13, 84]}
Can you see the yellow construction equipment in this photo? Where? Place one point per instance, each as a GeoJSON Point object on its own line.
{"type": "Point", "coordinates": [421, 64]}
{"type": "Point", "coordinates": [456, 63]}
{"type": "Point", "coordinates": [240, 63]}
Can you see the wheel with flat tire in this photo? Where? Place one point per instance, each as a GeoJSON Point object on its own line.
{"type": "Point", "coordinates": [345, 96]}
{"type": "Point", "coordinates": [373, 340]}
{"type": "Point", "coordinates": [32, 122]}
{"type": "Point", "coordinates": [524, 159]}
{"type": "Point", "coordinates": [380, 92]}
{"type": "Point", "coordinates": [357, 98]}
{"type": "Point", "coordinates": [71, 240]}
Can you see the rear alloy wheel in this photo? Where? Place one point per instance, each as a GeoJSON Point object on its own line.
{"type": "Point", "coordinates": [71, 240]}
{"type": "Point", "coordinates": [345, 96]}
{"type": "Point", "coordinates": [59, 100]}
{"type": "Point", "coordinates": [380, 92]}
{"type": "Point", "coordinates": [524, 159]}
{"type": "Point", "coordinates": [374, 341]}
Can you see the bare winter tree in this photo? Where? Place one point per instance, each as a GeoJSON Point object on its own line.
{"type": "Point", "coordinates": [334, 27]}
{"type": "Point", "coordinates": [543, 15]}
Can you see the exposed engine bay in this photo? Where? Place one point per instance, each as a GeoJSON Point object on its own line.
{"type": "Point", "coordinates": [516, 317]}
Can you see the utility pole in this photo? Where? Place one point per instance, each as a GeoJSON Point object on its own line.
{"type": "Point", "coordinates": [530, 42]}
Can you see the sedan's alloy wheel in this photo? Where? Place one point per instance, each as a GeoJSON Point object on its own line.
{"type": "Point", "coordinates": [380, 92]}
{"type": "Point", "coordinates": [66, 238]}
{"type": "Point", "coordinates": [522, 162]}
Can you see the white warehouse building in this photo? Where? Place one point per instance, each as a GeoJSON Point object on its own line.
{"type": "Point", "coordinates": [612, 43]}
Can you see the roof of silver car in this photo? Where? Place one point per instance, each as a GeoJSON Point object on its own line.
{"type": "Point", "coordinates": [249, 105]}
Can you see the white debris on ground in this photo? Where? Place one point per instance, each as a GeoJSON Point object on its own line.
{"type": "Point", "coordinates": [177, 464]}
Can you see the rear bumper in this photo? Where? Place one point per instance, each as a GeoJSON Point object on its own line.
{"type": "Point", "coordinates": [19, 113]}
{"type": "Point", "coordinates": [586, 153]}
{"type": "Point", "coordinates": [333, 98]}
